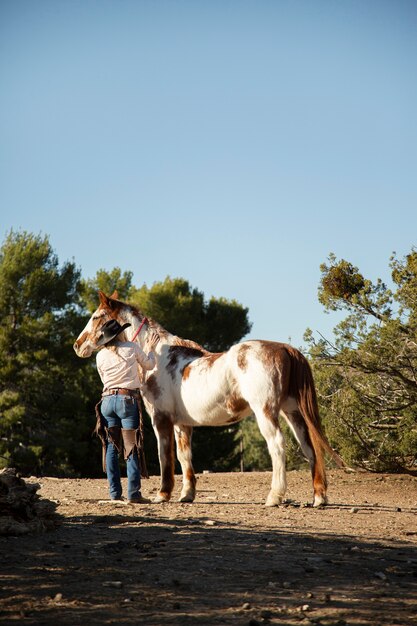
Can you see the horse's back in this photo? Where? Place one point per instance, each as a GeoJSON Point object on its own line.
{"type": "Point", "coordinates": [260, 355]}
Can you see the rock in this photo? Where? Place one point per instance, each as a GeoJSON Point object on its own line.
{"type": "Point", "coordinates": [22, 511]}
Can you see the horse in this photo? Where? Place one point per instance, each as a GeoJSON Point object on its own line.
{"type": "Point", "coordinates": [191, 386]}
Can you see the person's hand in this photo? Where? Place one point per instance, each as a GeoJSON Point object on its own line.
{"type": "Point", "coordinates": [153, 340]}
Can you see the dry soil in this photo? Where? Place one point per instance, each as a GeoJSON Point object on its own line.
{"type": "Point", "coordinates": [225, 559]}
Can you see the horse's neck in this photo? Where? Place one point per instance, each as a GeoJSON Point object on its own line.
{"type": "Point", "coordinates": [136, 320]}
{"type": "Point", "coordinates": [165, 336]}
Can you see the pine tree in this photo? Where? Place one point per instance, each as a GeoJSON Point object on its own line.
{"type": "Point", "coordinates": [43, 386]}
{"type": "Point", "coordinates": [366, 377]}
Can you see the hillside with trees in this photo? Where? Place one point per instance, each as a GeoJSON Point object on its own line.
{"type": "Point", "coordinates": [366, 376]}
{"type": "Point", "coordinates": [48, 394]}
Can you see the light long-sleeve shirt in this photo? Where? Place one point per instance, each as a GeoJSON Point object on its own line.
{"type": "Point", "coordinates": [120, 368]}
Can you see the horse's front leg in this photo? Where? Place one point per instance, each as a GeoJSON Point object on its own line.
{"type": "Point", "coordinates": [164, 431]}
{"type": "Point", "coordinates": [183, 436]}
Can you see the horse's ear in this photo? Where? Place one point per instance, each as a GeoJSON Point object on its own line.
{"type": "Point", "coordinates": [107, 301]}
{"type": "Point", "coordinates": [104, 300]}
{"type": "Point", "coordinates": [115, 295]}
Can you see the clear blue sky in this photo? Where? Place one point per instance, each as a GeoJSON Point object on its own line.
{"type": "Point", "coordinates": [232, 143]}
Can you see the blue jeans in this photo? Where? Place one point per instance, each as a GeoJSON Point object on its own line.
{"type": "Point", "coordinates": [121, 411]}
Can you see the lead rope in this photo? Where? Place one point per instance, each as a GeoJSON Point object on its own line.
{"type": "Point", "coordinates": [145, 319]}
{"type": "Point", "coordinates": [141, 442]}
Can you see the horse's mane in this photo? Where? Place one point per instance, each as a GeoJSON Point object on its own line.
{"type": "Point", "coordinates": [171, 338]}
{"type": "Point", "coordinates": [188, 343]}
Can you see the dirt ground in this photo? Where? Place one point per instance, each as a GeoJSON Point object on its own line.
{"type": "Point", "coordinates": [225, 559]}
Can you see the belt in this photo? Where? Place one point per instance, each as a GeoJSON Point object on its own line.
{"type": "Point", "coordinates": [123, 392]}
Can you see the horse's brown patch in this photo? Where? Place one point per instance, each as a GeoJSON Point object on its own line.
{"type": "Point", "coordinates": [110, 305]}
{"type": "Point", "coordinates": [79, 342]}
{"type": "Point", "coordinates": [209, 359]}
{"type": "Point", "coordinates": [212, 358]}
{"type": "Point", "coordinates": [176, 354]}
{"type": "Point", "coordinates": [153, 387]}
{"type": "Point", "coordinates": [271, 411]}
{"type": "Point", "coordinates": [236, 405]}
{"type": "Point", "coordinates": [163, 421]}
{"type": "Point", "coordinates": [183, 441]}
{"type": "Point", "coordinates": [276, 358]}
{"type": "Point", "coordinates": [242, 360]}
{"type": "Point", "coordinates": [234, 419]}
{"type": "Point", "coordinates": [186, 372]}
{"type": "Point", "coordinates": [190, 476]}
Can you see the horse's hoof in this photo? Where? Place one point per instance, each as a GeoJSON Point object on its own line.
{"type": "Point", "coordinates": [319, 501]}
{"type": "Point", "coordinates": [186, 499]}
{"type": "Point", "coordinates": [159, 499]}
{"type": "Point", "coordinates": [273, 500]}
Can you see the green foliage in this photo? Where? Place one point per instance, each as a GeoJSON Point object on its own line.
{"type": "Point", "coordinates": [47, 394]}
{"type": "Point", "coordinates": [340, 281]}
{"type": "Point", "coordinates": [366, 380]}
{"type": "Point", "coordinates": [42, 386]}
{"type": "Point", "coordinates": [404, 275]}
{"type": "Point", "coordinates": [183, 311]}
{"type": "Point", "coordinates": [255, 455]}
{"type": "Point", "coordinates": [107, 282]}
{"type": "Point", "coordinates": [175, 305]}
{"type": "Point", "coordinates": [216, 449]}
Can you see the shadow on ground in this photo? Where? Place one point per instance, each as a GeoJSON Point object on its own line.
{"type": "Point", "coordinates": [132, 569]}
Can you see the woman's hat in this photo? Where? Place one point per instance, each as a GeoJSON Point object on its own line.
{"type": "Point", "coordinates": [111, 329]}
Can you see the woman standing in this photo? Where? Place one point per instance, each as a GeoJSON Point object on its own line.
{"type": "Point", "coordinates": [117, 363]}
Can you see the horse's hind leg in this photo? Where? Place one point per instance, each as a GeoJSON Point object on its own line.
{"type": "Point", "coordinates": [269, 426]}
{"type": "Point", "coordinates": [164, 432]}
{"type": "Point", "coordinates": [183, 436]}
{"type": "Point", "coordinates": [299, 428]}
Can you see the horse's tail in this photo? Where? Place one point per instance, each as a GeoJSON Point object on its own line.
{"type": "Point", "coordinates": [302, 388]}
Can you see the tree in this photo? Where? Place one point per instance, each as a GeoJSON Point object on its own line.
{"type": "Point", "coordinates": [183, 311]}
{"type": "Point", "coordinates": [43, 386]}
{"type": "Point", "coordinates": [107, 282]}
{"type": "Point", "coordinates": [367, 378]}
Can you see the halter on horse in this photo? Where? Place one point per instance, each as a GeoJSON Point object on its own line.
{"type": "Point", "coordinates": [193, 387]}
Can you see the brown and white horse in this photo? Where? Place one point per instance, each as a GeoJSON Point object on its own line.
{"type": "Point", "coordinates": [193, 387]}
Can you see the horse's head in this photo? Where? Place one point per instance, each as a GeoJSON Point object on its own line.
{"type": "Point", "coordinates": [109, 308]}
